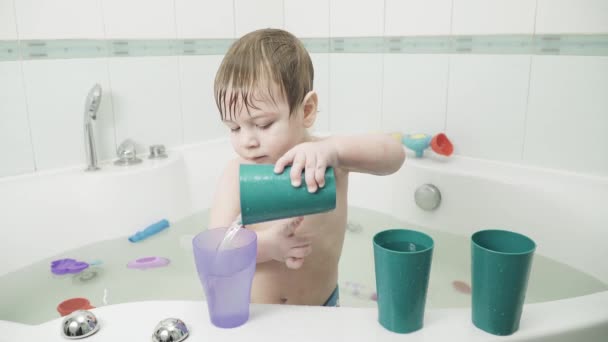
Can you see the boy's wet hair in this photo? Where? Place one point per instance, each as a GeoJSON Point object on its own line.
{"type": "Point", "coordinates": [255, 63]}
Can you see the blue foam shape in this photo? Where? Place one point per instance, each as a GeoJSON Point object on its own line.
{"type": "Point", "coordinates": [149, 231]}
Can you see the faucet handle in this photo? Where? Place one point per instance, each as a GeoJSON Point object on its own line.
{"type": "Point", "coordinates": [127, 154]}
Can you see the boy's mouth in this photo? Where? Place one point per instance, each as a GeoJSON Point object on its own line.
{"type": "Point", "coordinates": [257, 159]}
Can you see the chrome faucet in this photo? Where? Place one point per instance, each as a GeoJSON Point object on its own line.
{"type": "Point", "coordinates": [90, 113]}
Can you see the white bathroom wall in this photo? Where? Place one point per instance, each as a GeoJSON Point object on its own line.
{"type": "Point", "coordinates": [355, 78]}
{"type": "Point", "coordinates": [567, 116]}
{"type": "Point", "coordinates": [66, 19]}
{"type": "Point", "coordinates": [310, 19]}
{"type": "Point", "coordinates": [8, 27]}
{"type": "Point", "coordinates": [572, 16]}
{"type": "Point", "coordinates": [56, 92]}
{"type": "Point", "coordinates": [414, 92]}
{"type": "Point", "coordinates": [15, 143]}
{"type": "Point", "coordinates": [515, 108]}
{"type": "Point", "coordinates": [568, 129]}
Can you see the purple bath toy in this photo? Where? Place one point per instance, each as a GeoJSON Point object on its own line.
{"type": "Point", "coordinates": [148, 262]}
{"type": "Point", "coordinates": [64, 266]}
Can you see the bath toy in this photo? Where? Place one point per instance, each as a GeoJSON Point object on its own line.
{"type": "Point", "coordinates": [64, 266]}
{"type": "Point", "coordinates": [148, 262]}
{"type": "Point", "coordinates": [149, 231]}
{"type": "Point", "coordinates": [96, 262]}
{"type": "Point", "coordinates": [461, 286]}
{"type": "Point", "coordinates": [396, 135]}
{"type": "Point", "coordinates": [354, 227]}
{"type": "Point", "coordinates": [439, 143]}
{"type": "Point", "coordinates": [359, 290]}
{"type": "Point", "coordinates": [87, 275]}
{"type": "Point", "coordinates": [70, 305]}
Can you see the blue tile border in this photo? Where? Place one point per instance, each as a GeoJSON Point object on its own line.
{"type": "Point", "coordinates": [577, 45]}
{"type": "Point", "coordinates": [9, 50]}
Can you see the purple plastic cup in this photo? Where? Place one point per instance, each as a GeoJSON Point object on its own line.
{"type": "Point", "coordinates": [226, 275]}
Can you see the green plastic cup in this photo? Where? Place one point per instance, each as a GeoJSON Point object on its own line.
{"type": "Point", "coordinates": [500, 262]}
{"type": "Point", "coordinates": [403, 263]}
{"type": "Point", "coordinates": [267, 196]}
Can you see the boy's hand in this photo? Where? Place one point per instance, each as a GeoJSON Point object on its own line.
{"type": "Point", "coordinates": [284, 243]}
{"type": "Point", "coordinates": [314, 158]}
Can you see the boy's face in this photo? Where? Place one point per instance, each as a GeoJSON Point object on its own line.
{"type": "Point", "coordinates": [263, 135]}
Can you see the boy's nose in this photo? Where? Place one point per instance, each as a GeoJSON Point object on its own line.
{"type": "Point", "coordinates": [250, 140]}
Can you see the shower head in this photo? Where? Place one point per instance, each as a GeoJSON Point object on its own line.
{"type": "Point", "coordinates": [92, 103]}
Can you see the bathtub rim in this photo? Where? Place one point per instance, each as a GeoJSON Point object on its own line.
{"type": "Point", "coordinates": [539, 322]}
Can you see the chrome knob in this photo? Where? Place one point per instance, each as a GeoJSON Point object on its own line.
{"type": "Point", "coordinates": [427, 197]}
{"type": "Point", "coordinates": [157, 152]}
{"type": "Point", "coordinates": [170, 330]}
{"type": "Point", "coordinates": [79, 324]}
{"type": "Point", "coordinates": [127, 153]}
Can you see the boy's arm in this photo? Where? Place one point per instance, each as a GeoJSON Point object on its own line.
{"type": "Point", "coordinates": [226, 205]}
{"type": "Point", "coordinates": [378, 154]}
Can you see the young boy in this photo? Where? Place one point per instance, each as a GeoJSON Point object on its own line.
{"type": "Point", "coordinates": [264, 93]}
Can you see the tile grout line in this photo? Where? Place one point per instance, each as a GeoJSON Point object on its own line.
{"type": "Point", "coordinates": [24, 88]}
{"type": "Point", "coordinates": [527, 111]}
{"type": "Point", "coordinates": [179, 78]}
{"type": "Point", "coordinates": [447, 86]}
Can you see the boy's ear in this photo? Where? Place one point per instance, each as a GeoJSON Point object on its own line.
{"type": "Point", "coordinates": [309, 106]}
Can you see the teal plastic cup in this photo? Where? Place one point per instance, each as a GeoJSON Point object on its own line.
{"type": "Point", "coordinates": [267, 196]}
{"type": "Point", "coordinates": [402, 259]}
{"type": "Point", "coordinates": [500, 262]}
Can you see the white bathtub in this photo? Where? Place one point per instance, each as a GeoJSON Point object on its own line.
{"type": "Point", "coordinates": [47, 213]}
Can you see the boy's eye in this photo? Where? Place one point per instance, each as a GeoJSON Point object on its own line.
{"type": "Point", "coordinates": [264, 126]}
{"type": "Point", "coordinates": [235, 129]}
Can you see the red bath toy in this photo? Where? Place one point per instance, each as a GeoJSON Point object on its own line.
{"type": "Point", "coordinates": [70, 305]}
{"type": "Point", "coordinates": [442, 145]}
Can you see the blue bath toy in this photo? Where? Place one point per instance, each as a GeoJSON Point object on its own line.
{"type": "Point", "coordinates": [417, 142]}
{"type": "Point", "coordinates": [96, 262]}
{"type": "Point", "coordinates": [421, 141]}
{"type": "Point", "coordinates": [149, 231]}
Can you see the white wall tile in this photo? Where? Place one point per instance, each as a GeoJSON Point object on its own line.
{"type": "Point", "coordinates": [418, 17]}
{"type": "Point", "coordinates": [352, 18]}
{"type": "Point", "coordinates": [66, 19]}
{"type": "Point", "coordinates": [56, 92]}
{"type": "Point", "coordinates": [8, 24]}
{"type": "Point", "coordinates": [307, 18]}
{"type": "Point", "coordinates": [201, 117]}
{"type": "Point", "coordinates": [415, 93]}
{"type": "Point", "coordinates": [139, 19]}
{"type": "Point", "coordinates": [493, 17]}
{"type": "Point", "coordinates": [320, 63]}
{"type": "Point", "coordinates": [204, 19]}
{"type": "Point", "coordinates": [356, 93]}
{"type": "Point", "coordinates": [572, 16]}
{"type": "Point", "coordinates": [486, 105]}
{"type": "Point", "coordinates": [253, 15]}
{"type": "Point", "coordinates": [568, 114]}
{"type": "Point", "coordinates": [145, 94]}
{"type": "Point", "coordinates": [15, 142]}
